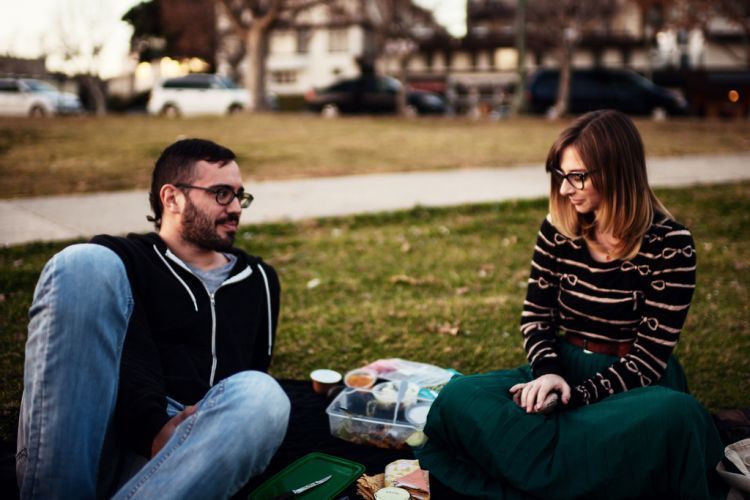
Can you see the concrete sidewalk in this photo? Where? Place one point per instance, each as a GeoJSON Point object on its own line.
{"type": "Point", "coordinates": [65, 217]}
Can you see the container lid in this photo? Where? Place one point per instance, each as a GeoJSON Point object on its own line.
{"type": "Point", "coordinates": [325, 376]}
{"type": "Point", "coordinates": [307, 469]}
{"type": "Point", "coordinates": [417, 414]}
{"type": "Point", "coordinates": [392, 493]}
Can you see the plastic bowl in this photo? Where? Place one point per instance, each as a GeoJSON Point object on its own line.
{"type": "Point", "coordinates": [361, 378]}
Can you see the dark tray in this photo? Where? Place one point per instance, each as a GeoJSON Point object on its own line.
{"type": "Point", "coordinates": [307, 469]}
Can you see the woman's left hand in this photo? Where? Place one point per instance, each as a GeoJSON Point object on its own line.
{"type": "Point", "coordinates": [531, 395]}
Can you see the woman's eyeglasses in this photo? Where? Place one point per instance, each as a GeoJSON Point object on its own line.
{"type": "Point", "coordinates": [575, 179]}
{"type": "Point", "coordinates": [224, 194]}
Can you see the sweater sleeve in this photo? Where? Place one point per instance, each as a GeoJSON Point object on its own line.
{"type": "Point", "coordinates": [141, 399]}
{"type": "Point", "coordinates": [667, 292]}
{"type": "Point", "coordinates": [141, 409]}
{"type": "Point", "coordinates": [538, 319]}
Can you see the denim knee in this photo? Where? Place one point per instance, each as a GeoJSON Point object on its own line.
{"type": "Point", "coordinates": [83, 282]}
{"type": "Point", "coordinates": [87, 260]}
{"type": "Point", "coordinates": [258, 398]}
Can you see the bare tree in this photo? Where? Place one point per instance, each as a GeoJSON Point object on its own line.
{"type": "Point", "coordinates": [561, 24]}
{"type": "Point", "coordinates": [78, 39]}
{"type": "Point", "coordinates": [397, 27]}
{"type": "Point", "coordinates": [253, 21]}
{"type": "Point", "coordinates": [738, 13]}
{"type": "Point", "coordinates": [686, 15]}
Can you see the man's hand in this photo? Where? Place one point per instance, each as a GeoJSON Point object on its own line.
{"type": "Point", "coordinates": [166, 432]}
{"type": "Point", "coordinates": [531, 395]}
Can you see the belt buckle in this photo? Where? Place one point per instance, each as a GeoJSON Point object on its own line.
{"type": "Point", "coordinates": [585, 345]}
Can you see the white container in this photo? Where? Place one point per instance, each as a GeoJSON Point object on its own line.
{"type": "Point", "coordinates": [357, 416]}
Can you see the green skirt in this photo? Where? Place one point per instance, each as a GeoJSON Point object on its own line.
{"type": "Point", "coordinates": [652, 442]}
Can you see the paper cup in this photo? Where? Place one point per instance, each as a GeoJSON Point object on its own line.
{"type": "Point", "coordinates": [323, 380]}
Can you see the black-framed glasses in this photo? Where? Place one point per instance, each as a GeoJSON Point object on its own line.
{"type": "Point", "coordinates": [575, 179]}
{"type": "Point", "coordinates": [224, 194]}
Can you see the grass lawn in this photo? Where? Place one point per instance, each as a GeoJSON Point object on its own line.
{"type": "Point", "coordinates": [84, 154]}
{"type": "Point", "coordinates": [443, 286]}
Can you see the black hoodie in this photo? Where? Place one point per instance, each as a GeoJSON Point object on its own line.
{"type": "Point", "coordinates": [180, 339]}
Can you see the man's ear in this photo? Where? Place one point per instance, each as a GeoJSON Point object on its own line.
{"type": "Point", "coordinates": [172, 199]}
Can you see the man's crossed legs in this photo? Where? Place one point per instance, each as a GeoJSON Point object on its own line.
{"type": "Point", "coordinates": [78, 319]}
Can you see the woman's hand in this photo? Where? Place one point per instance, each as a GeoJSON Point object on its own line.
{"type": "Point", "coordinates": [531, 395]}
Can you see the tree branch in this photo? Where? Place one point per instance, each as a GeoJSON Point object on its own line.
{"type": "Point", "coordinates": [234, 17]}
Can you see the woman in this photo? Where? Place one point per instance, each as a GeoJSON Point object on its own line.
{"type": "Point", "coordinates": [612, 277]}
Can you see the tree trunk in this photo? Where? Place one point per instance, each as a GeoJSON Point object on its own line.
{"type": "Point", "coordinates": [560, 108]}
{"type": "Point", "coordinates": [520, 27]}
{"type": "Point", "coordinates": [401, 102]}
{"type": "Point", "coordinates": [94, 90]}
{"type": "Point", "coordinates": [256, 44]}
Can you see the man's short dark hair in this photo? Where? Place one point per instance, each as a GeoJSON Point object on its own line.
{"type": "Point", "coordinates": [177, 165]}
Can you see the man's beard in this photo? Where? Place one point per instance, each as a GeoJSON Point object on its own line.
{"type": "Point", "coordinates": [199, 229]}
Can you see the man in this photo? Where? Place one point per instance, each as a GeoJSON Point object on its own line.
{"type": "Point", "coordinates": [186, 320]}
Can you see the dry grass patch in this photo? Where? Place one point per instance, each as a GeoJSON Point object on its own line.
{"type": "Point", "coordinates": [77, 155]}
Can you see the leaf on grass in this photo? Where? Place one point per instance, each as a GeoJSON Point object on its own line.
{"type": "Point", "coordinates": [485, 270]}
{"type": "Point", "coordinates": [282, 259]}
{"type": "Point", "coordinates": [403, 279]}
{"type": "Point", "coordinates": [313, 283]}
{"type": "Point", "coordinates": [463, 290]}
{"type": "Point", "coordinates": [405, 247]}
{"type": "Point", "coordinates": [447, 328]}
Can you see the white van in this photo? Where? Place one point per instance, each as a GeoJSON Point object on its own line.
{"type": "Point", "coordinates": [197, 94]}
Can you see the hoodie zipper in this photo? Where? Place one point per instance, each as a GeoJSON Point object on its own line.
{"type": "Point", "coordinates": [214, 359]}
{"type": "Point", "coordinates": [248, 271]}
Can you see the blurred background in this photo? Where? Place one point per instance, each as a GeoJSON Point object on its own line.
{"type": "Point", "coordinates": [478, 58]}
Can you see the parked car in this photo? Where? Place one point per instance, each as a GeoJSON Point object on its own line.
{"type": "Point", "coordinates": [197, 94]}
{"type": "Point", "coordinates": [590, 89]}
{"type": "Point", "coordinates": [29, 97]}
{"type": "Point", "coordinates": [376, 94]}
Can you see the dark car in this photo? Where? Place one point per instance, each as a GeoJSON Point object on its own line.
{"type": "Point", "coordinates": [591, 89]}
{"type": "Point", "coordinates": [376, 95]}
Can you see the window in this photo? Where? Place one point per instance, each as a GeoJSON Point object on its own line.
{"type": "Point", "coordinates": [284, 77]}
{"type": "Point", "coordinates": [304, 35]}
{"type": "Point", "coordinates": [338, 40]}
{"type": "Point", "coordinates": [189, 82]}
{"type": "Point", "coordinates": [8, 86]}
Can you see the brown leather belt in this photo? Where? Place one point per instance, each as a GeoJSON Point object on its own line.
{"type": "Point", "coordinates": [600, 347]}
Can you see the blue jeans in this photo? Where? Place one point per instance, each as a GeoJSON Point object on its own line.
{"type": "Point", "coordinates": [66, 447]}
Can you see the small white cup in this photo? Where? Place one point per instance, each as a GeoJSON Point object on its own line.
{"type": "Point", "coordinates": [323, 380]}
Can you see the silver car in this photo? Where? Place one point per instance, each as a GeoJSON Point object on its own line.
{"type": "Point", "coordinates": [29, 97]}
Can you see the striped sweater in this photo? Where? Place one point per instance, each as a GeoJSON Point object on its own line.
{"type": "Point", "coordinates": [645, 299]}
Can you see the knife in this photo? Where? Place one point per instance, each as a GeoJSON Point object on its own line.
{"type": "Point", "coordinates": [301, 489]}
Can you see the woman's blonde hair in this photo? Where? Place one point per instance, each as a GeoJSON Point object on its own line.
{"type": "Point", "coordinates": [611, 148]}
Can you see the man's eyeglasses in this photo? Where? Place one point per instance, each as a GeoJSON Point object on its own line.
{"type": "Point", "coordinates": [575, 179]}
{"type": "Point", "coordinates": [224, 194]}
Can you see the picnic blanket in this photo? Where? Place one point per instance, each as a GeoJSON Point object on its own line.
{"type": "Point", "coordinates": [309, 431]}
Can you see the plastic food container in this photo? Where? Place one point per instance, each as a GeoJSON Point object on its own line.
{"type": "Point", "coordinates": [358, 416]}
